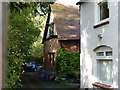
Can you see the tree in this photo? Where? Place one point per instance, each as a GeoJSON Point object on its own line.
{"type": "Point", "coordinates": [24, 30]}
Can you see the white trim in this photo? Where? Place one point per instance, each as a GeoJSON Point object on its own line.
{"type": "Point", "coordinates": [106, 83]}
{"type": "Point", "coordinates": [102, 21]}
{"type": "Point", "coordinates": [100, 1]}
{"type": "Point", "coordinates": [104, 57]}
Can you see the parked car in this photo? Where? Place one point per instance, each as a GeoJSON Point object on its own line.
{"type": "Point", "coordinates": [30, 67]}
{"type": "Point", "coordinates": [39, 67]}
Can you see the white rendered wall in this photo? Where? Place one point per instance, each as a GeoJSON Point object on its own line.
{"type": "Point", "coordinates": [90, 40]}
{"type": "Point", "coordinates": [119, 44]}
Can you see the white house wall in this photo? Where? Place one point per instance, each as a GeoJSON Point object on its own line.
{"type": "Point", "coordinates": [90, 40]}
{"type": "Point", "coordinates": [119, 44]}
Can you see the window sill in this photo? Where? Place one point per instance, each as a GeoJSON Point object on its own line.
{"type": "Point", "coordinates": [104, 22]}
{"type": "Point", "coordinates": [104, 86]}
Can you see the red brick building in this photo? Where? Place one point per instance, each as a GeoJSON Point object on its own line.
{"type": "Point", "coordinates": [62, 31]}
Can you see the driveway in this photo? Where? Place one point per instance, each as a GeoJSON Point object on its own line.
{"type": "Point", "coordinates": [33, 80]}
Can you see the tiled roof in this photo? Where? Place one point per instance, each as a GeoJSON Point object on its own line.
{"type": "Point", "coordinates": [66, 20]}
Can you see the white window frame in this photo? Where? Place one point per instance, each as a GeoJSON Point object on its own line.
{"type": "Point", "coordinates": [98, 11]}
{"type": "Point", "coordinates": [102, 58]}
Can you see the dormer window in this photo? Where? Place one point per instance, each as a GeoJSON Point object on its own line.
{"type": "Point", "coordinates": [103, 9]}
{"type": "Point", "coordinates": [51, 29]}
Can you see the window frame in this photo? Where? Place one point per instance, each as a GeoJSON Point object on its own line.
{"type": "Point", "coordinates": [98, 22]}
{"type": "Point", "coordinates": [99, 11]}
{"type": "Point", "coordinates": [52, 27]}
{"type": "Point", "coordinates": [109, 61]}
{"type": "Point", "coordinates": [103, 58]}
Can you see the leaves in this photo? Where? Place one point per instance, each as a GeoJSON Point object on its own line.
{"type": "Point", "coordinates": [37, 8]}
{"type": "Point", "coordinates": [68, 64]}
{"type": "Point", "coordinates": [23, 39]}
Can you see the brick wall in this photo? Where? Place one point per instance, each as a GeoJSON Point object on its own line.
{"type": "Point", "coordinates": [51, 46]}
{"type": "Point", "coordinates": [71, 45]}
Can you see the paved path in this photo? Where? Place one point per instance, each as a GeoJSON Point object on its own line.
{"type": "Point", "coordinates": [33, 80]}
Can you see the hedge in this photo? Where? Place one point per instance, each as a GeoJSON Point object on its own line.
{"type": "Point", "coordinates": [68, 64]}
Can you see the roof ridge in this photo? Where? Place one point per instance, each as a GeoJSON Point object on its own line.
{"type": "Point", "coordinates": [65, 4]}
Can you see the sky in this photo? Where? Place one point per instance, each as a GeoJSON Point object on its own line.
{"type": "Point", "coordinates": [68, 2]}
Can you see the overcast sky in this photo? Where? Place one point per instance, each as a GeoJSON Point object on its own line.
{"type": "Point", "coordinates": [68, 2]}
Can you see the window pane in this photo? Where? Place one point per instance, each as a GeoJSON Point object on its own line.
{"type": "Point", "coordinates": [109, 53]}
{"type": "Point", "coordinates": [104, 70]}
{"type": "Point", "coordinates": [52, 30]}
{"type": "Point", "coordinates": [104, 10]}
{"type": "Point", "coordinates": [52, 59]}
{"type": "Point", "coordinates": [100, 54]}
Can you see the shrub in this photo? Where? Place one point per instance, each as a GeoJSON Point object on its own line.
{"type": "Point", "coordinates": [68, 64]}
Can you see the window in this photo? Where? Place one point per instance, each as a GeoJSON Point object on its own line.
{"type": "Point", "coordinates": [51, 29]}
{"type": "Point", "coordinates": [103, 9]}
{"type": "Point", "coordinates": [109, 53]}
{"type": "Point", "coordinates": [104, 64]}
{"type": "Point", "coordinates": [102, 14]}
{"type": "Point", "coordinates": [52, 58]}
{"type": "Point", "coordinates": [100, 54]}
{"type": "Point", "coordinates": [104, 69]}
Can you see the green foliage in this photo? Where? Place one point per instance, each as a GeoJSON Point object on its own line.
{"type": "Point", "coordinates": [39, 8]}
{"type": "Point", "coordinates": [68, 64]}
{"type": "Point", "coordinates": [24, 30]}
{"type": "Point", "coordinates": [36, 51]}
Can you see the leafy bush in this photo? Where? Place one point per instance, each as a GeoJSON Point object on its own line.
{"type": "Point", "coordinates": [68, 64]}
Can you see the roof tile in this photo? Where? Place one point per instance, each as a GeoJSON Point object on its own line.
{"type": "Point", "coordinates": [66, 19]}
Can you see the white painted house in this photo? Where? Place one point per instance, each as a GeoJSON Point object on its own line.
{"type": "Point", "coordinates": [100, 44]}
